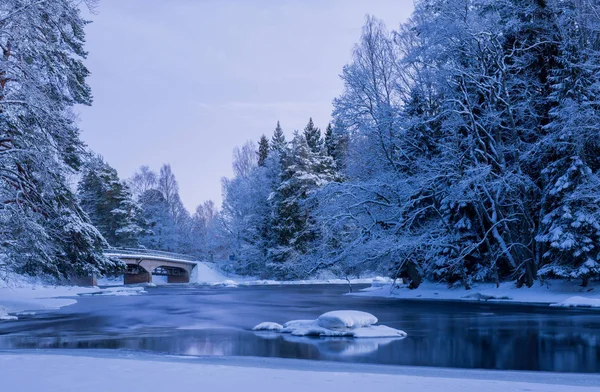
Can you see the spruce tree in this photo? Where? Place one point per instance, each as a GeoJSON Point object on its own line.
{"type": "Point", "coordinates": [569, 235]}
{"type": "Point", "coordinates": [313, 138]}
{"type": "Point", "coordinates": [278, 142]}
{"type": "Point", "coordinates": [263, 150]}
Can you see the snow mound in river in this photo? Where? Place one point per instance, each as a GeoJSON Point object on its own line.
{"type": "Point", "coordinates": [339, 323]}
{"type": "Point", "coordinates": [346, 319]}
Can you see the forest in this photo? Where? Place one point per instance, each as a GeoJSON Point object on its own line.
{"type": "Point", "coordinates": [463, 148]}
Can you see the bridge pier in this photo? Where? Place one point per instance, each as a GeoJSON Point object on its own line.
{"type": "Point", "coordinates": [178, 278]}
{"type": "Point", "coordinates": [144, 277]}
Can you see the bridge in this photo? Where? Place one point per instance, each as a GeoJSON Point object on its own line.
{"type": "Point", "coordinates": [143, 263]}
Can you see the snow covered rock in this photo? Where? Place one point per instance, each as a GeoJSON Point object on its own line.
{"type": "Point", "coordinates": [339, 323]}
{"type": "Point", "coordinates": [346, 319]}
{"type": "Point", "coordinates": [268, 326]}
{"type": "Point", "coordinates": [312, 329]}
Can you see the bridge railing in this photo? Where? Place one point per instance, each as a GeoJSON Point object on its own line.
{"type": "Point", "coordinates": [150, 252]}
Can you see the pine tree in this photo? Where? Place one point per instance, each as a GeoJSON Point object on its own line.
{"type": "Point", "coordinates": [263, 150]}
{"type": "Point", "coordinates": [110, 205]}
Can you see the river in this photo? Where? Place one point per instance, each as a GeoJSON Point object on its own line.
{"type": "Point", "coordinates": [205, 321]}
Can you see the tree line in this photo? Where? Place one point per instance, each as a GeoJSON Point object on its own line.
{"type": "Point", "coordinates": [464, 148]}
{"type": "Point", "coordinates": [146, 211]}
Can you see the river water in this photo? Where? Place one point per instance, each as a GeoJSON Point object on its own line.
{"type": "Point", "coordinates": [197, 320]}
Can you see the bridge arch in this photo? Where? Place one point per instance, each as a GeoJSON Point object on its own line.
{"type": "Point", "coordinates": [173, 274]}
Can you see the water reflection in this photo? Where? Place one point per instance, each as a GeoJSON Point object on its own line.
{"type": "Point", "coordinates": [469, 335]}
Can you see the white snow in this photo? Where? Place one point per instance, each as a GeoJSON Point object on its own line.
{"type": "Point", "coordinates": [268, 326]}
{"type": "Point", "coordinates": [204, 273]}
{"type": "Point", "coordinates": [377, 280]}
{"type": "Point", "coordinates": [4, 316]}
{"type": "Point", "coordinates": [337, 323]}
{"type": "Point", "coordinates": [346, 319]}
{"type": "Point", "coordinates": [578, 301]}
{"type": "Point", "coordinates": [377, 331]}
{"type": "Point", "coordinates": [20, 294]}
{"type": "Point", "coordinates": [121, 291]}
{"type": "Point", "coordinates": [55, 372]}
{"type": "Point", "coordinates": [226, 283]}
{"type": "Point", "coordinates": [551, 292]}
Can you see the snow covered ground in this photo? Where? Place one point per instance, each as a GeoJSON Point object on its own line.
{"type": "Point", "coordinates": [555, 293]}
{"type": "Point", "coordinates": [30, 295]}
{"type": "Point", "coordinates": [115, 372]}
{"type": "Point", "coordinates": [24, 296]}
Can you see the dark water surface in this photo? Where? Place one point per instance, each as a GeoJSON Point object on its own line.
{"type": "Point", "coordinates": [194, 320]}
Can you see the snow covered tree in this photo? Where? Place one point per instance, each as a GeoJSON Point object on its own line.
{"type": "Point", "coordinates": [278, 142]}
{"type": "Point", "coordinates": [110, 205]}
{"type": "Point", "coordinates": [569, 151]}
{"type": "Point", "coordinates": [245, 159]}
{"type": "Point", "coordinates": [163, 232]}
{"type": "Point", "coordinates": [246, 214]}
{"type": "Point", "coordinates": [42, 76]}
{"type": "Point", "coordinates": [307, 169]}
{"type": "Point", "coordinates": [142, 180]}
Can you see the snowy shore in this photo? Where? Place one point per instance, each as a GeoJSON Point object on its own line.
{"type": "Point", "coordinates": [553, 293]}
{"type": "Point", "coordinates": [121, 371]}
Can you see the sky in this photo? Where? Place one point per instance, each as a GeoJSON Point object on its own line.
{"type": "Point", "coordinates": [185, 81]}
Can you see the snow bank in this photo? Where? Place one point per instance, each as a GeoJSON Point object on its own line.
{"type": "Point", "coordinates": [377, 281]}
{"type": "Point", "coordinates": [551, 292]}
{"type": "Point", "coordinates": [52, 372]}
{"type": "Point", "coordinates": [118, 291]}
{"type": "Point", "coordinates": [204, 273]}
{"type": "Point", "coordinates": [226, 283]}
{"type": "Point", "coordinates": [28, 297]}
{"type": "Point", "coordinates": [577, 301]}
{"type": "Point", "coordinates": [4, 316]}
{"type": "Point", "coordinates": [338, 323]}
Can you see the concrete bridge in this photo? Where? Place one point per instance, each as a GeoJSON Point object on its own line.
{"type": "Point", "coordinates": [143, 263]}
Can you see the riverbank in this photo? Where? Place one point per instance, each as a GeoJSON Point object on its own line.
{"type": "Point", "coordinates": [553, 293]}
{"type": "Point", "coordinates": [23, 296]}
{"type": "Point", "coordinates": [125, 371]}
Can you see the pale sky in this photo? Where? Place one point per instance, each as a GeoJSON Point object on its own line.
{"type": "Point", "coordinates": [185, 81]}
